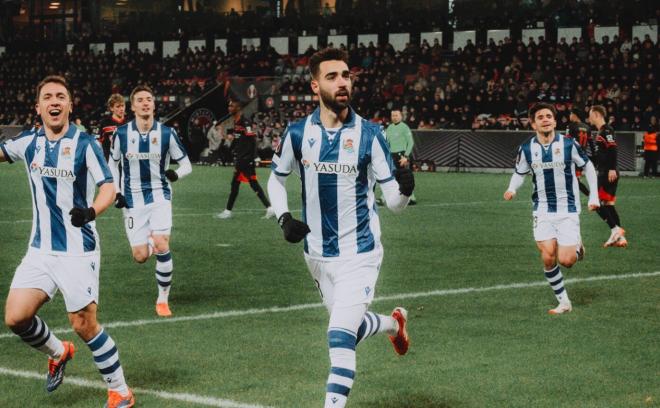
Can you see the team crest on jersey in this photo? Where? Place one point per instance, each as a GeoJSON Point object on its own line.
{"type": "Point", "coordinates": [154, 140]}
{"type": "Point", "coordinates": [348, 145]}
{"type": "Point", "coordinates": [305, 163]}
{"type": "Point", "coordinates": [557, 151]}
{"type": "Point", "coordinates": [66, 151]}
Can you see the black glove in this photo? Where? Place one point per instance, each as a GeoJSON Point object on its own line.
{"type": "Point", "coordinates": [406, 181]}
{"type": "Point", "coordinates": [294, 230]}
{"type": "Point", "coordinates": [171, 175]}
{"type": "Point", "coordinates": [81, 216]}
{"type": "Point", "coordinates": [120, 201]}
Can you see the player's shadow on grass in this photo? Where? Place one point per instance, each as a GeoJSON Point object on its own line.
{"type": "Point", "coordinates": [584, 296]}
{"type": "Point", "coordinates": [404, 400]}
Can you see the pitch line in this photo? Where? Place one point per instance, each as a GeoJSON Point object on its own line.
{"type": "Point", "coordinates": [176, 214]}
{"type": "Point", "coordinates": [172, 396]}
{"type": "Point", "coordinates": [306, 306]}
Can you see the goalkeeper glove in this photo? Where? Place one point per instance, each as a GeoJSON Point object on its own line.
{"type": "Point", "coordinates": [120, 201]}
{"type": "Point", "coordinates": [406, 181]}
{"type": "Point", "coordinates": [81, 216]}
{"type": "Point", "coordinates": [294, 230]}
{"type": "Point", "coordinates": [171, 175]}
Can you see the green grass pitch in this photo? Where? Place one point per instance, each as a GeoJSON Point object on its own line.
{"type": "Point", "coordinates": [491, 347]}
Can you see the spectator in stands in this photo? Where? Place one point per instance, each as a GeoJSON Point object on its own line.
{"type": "Point", "coordinates": [214, 137]}
{"type": "Point", "coordinates": [650, 144]}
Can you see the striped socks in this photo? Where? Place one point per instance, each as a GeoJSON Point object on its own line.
{"type": "Point", "coordinates": [164, 268]}
{"type": "Point", "coordinates": [39, 336]}
{"type": "Point", "coordinates": [342, 367]}
{"type": "Point", "coordinates": [556, 281]}
{"type": "Point", "coordinates": [106, 358]}
{"type": "Point", "coordinates": [373, 323]}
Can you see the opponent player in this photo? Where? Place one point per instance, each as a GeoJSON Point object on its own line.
{"type": "Point", "coordinates": [552, 158]}
{"type": "Point", "coordinates": [63, 166]}
{"type": "Point", "coordinates": [117, 108]}
{"type": "Point", "coordinates": [339, 157]}
{"type": "Point", "coordinates": [608, 175]}
{"type": "Point", "coordinates": [144, 147]}
{"type": "Point", "coordinates": [580, 132]}
{"type": "Point", "coordinates": [244, 146]}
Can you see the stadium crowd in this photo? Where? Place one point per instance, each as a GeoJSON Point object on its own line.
{"type": "Point", "coordinates": [479, 86]}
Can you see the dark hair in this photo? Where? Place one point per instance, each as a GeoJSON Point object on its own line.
{"type": "Point", "coordinates": [578, 112]}
{"type": "Point", "coordinates": [141, 88]}
{"type": "Point", "coordinates": [599, 109]}
{"type": "Point", "coordinates": [326, 54]}
{"type": "Point", "coordinates": [539, 106]}
{"type": "Point", "coordinates": [56, 79]}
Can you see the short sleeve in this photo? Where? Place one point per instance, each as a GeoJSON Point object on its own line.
{"type": "Point", "coordinates": [14, 149]}
{"type": "Point", "coordinates": [96, 163]}
{"type": "Point", "coordinates": [578, 155]}
{"type": "Point", "coordinates": [381, 159]}
{"type": "Point", "coordinates": [284, 159]}
{"type": "Point", "coordinates": [522, 165]}
{"type": "Point", "coordinates": [177, 151]}
{"type": "Point", "coordinates": [115, 149]}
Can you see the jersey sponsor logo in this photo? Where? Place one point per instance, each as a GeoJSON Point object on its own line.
{"type": "Point", "coordinates": [142, 156]}
{"type": "Point", "coordinates": [52, 172]}
{"type": "Point", "coordinates": [549, 165]}
{"type": "Point", "coordinates": [333, 168]}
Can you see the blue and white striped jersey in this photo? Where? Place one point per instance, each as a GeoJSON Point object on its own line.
{"type": "Point", "coordinates": [338, 175]}
{"type": "Point", "coordinates": [62, 175]}
{"type": "Point", "coordinates": [144, 159]}
{"type": "Point", "coordinates": [556, 188]}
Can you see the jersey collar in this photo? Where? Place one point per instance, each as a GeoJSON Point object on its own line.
{"type": "Point", "coordinates": [316, 118]}
{"type": "Point", "coordinates": [134, 127]}
{"type": "Point", "coordinates": [69, 133]}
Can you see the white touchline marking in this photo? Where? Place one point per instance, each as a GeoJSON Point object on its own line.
{"type": "Point", "coordinates": [305, 306]}
{"type": "Point", "coordinates": [184, 397]}
{"type": "Point", "coordinates": [176, 214]}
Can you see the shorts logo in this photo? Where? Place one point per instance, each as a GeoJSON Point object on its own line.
{"type": "Point", "coordinates": [93, 265]}
{"type": "Point", "coordinates": [348, 145]}
{"type": "Point", "coordinates": [89, 291]}
{"type": "Point", "coordinates": [367, 290]}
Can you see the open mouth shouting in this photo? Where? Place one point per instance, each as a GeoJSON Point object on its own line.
{"type": "Point", "coordinates": [55, 113]}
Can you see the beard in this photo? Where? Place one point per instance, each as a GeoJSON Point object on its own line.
{"type": "Point", "coordinates": [331, 101]}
